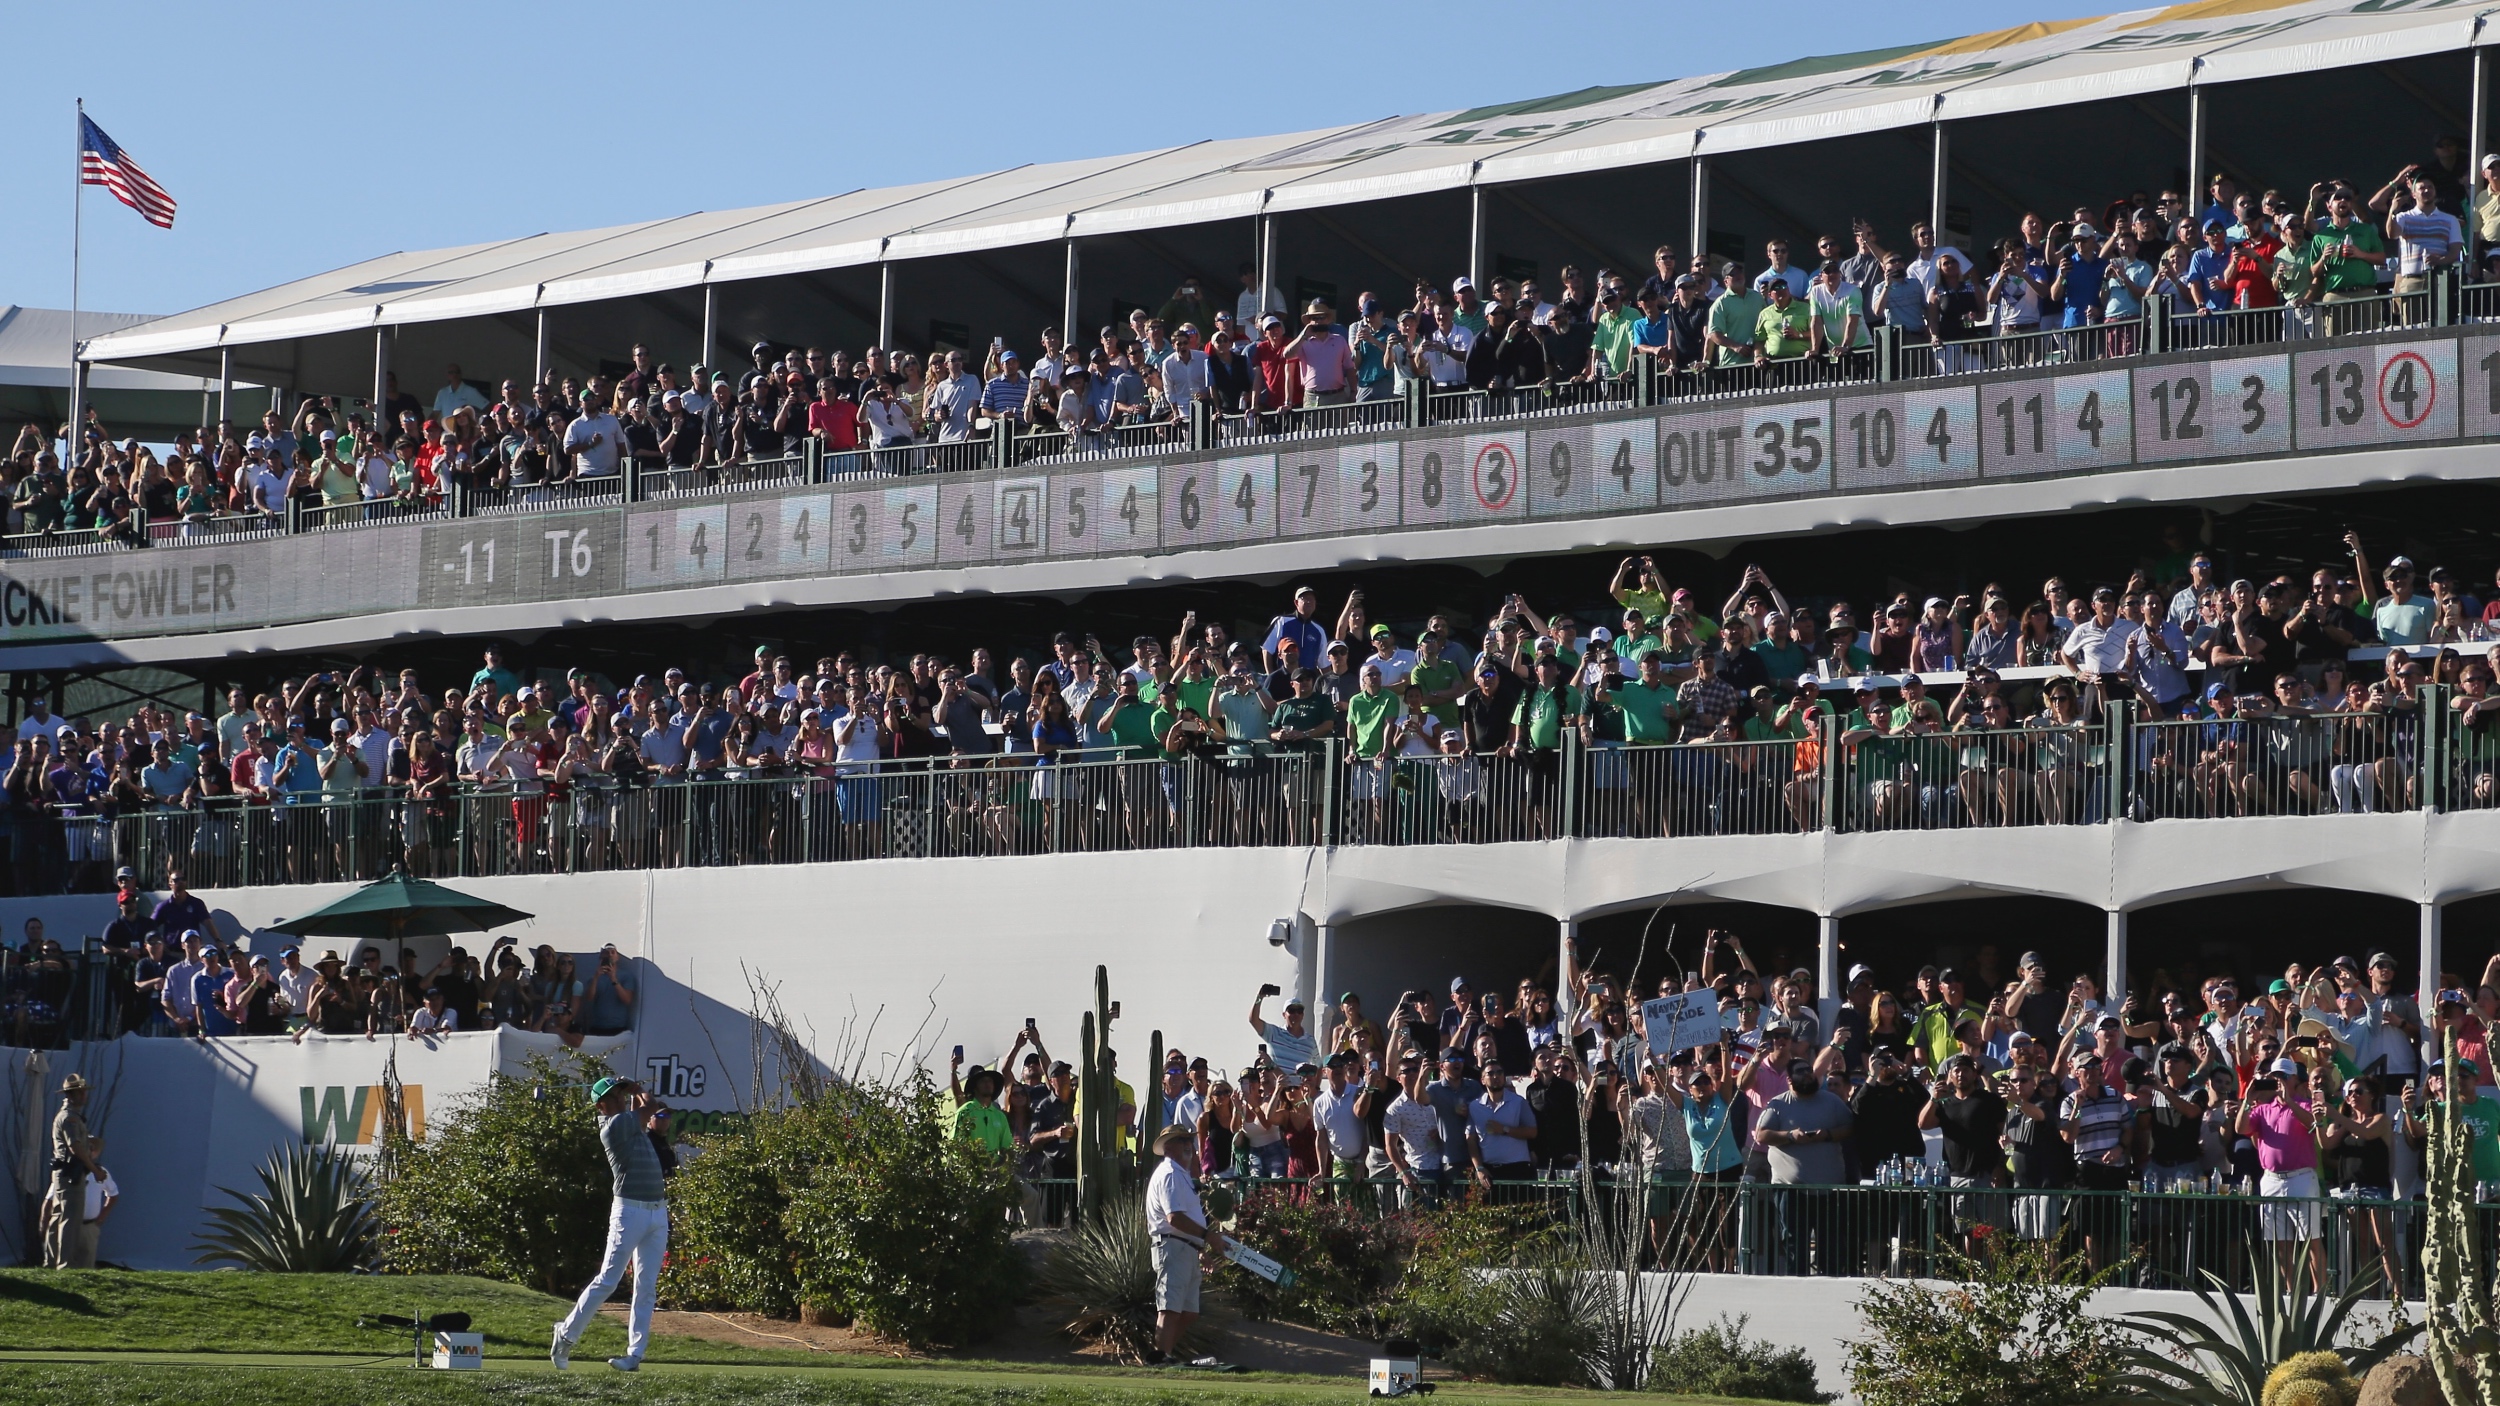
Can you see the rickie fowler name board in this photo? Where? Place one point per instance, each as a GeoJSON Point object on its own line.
{"type": "Point", "coordinates": [2055, 420]}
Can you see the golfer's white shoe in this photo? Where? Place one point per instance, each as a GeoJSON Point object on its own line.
{"type": "Point", "coordinates": [626, 1364]}
{"type": "Point", "coordinates": [560, 1350]}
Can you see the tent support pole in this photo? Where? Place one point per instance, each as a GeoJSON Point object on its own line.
{"type": "Point", "coordinates": [1699, 243]}
{"type": "Point", "coordinates": [1939, 168]}
{"type": "Point", "coordinates": [1068, 334]}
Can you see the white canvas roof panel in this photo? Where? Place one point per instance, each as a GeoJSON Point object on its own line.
{"type": "Point", "coordinates": [1047, 214]}
{"type": "Point", "coordinates": [2026, 67]}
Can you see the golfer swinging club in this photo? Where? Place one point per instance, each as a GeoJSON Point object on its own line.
{"type": "Point", "coordinates": [1177, 1221]}
{"type": "Point", "coordinates": [631, 1131]}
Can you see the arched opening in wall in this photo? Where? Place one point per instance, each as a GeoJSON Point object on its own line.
{"type": "Point", "coordinates": [1639, 947]}
{"type": "Point", "coordinates": [1422, 951]}
{"type": "Point", "coordinates": [2256, 937]}
{"type": "Point", "coordinates": [2469, 931]}
{"type": "Point", "coordinates": [1980, 939]}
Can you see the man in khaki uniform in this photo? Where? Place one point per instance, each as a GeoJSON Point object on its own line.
{"type": "Point", "coordinates": [73, 1161]}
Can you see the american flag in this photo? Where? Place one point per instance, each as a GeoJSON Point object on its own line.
{"type": "Point", "coordinates": [102, 162]}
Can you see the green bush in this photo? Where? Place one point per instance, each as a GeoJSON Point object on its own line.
{"type": "Point", "coordinates": [1346, 1260]}
{"type": "Point", "coordinates": [1445, 1303]}
{"type": "Point", "coordinates": [510, 1183]}
{"type": "Point", "coordinates": [725, 1207]}
{"type": "Point", "coordinates": [2013, 1329]}
{"type": "Point", "coordinates": [1537, 1324]}
{"type": "Point", "coordinates": [857, 1203]}
{"type": "Point", "coordinates": [1720, 1360]}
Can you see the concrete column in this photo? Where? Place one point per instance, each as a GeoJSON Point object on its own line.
{"type": "Point", "coordinates": [1698, 241]}
{"type": "Point", "coordinates": [2196, 147]}
{"type": "Point", "coordinates": [225, 383]}
{"type": "Point", "coordinates": [1475, 237]}
{"type": "Point", "coordinates": [709, 302]}
{"type": "Point", "coordinates": [538, 358]}
{"type": "Point", "coordinates": [2114, 971]}
{"type": "Point", "coordinates": [381, 374]}
{"type": "Point", "coordinates": [1937, 170]}
{"type": "Point", "coordinates": [2431, 957]}
{"type": "Point", "coordinates": [1827, 969]}
{"type": "Point", "coordinates": [885, 306]}
{"type": "Point", "coordinates": [1069, 335]}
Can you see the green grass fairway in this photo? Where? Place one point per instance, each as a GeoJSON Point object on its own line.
{"type": "Point", "coordinates": [235, 1339]}
{"type": "Point", "coordinates": [247, 1380]}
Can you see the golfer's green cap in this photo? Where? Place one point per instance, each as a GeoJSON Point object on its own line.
{"type": "Point", "coordinates": [603, 1087]}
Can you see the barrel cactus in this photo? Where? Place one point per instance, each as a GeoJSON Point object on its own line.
{"type": "Point", "coordinates": [2311, 1379]}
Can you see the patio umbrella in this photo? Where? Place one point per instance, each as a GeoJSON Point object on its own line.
{"type": "Point", "coordinates": [400, 907]}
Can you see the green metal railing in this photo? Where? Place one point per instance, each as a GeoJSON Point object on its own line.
{"type": "Point", "coordinates": [1842, 778]}
{"type": "Point", "coordinates": [2156, 1239]}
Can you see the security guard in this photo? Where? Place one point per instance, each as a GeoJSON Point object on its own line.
{"type": "Point", "coordinates": [73, 1161]}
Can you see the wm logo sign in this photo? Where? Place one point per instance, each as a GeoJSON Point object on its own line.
{"type": "Point", "coordinates": [352, 1116]}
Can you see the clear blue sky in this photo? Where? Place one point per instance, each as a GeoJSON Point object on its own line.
{"type": "Point", "coordinates": [300, 137]}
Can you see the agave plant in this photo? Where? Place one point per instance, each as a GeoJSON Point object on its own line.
{"type": "Point", "coordinates": [315, 1215]}
{"type": "Point", "coordinates": [2187, 1361]}
{"type": "Point", "coordinates": [1103, 1278]}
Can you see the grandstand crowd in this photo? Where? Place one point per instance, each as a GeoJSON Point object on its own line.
{"type": "Point", "coordinates": [1658, 714]}
{"type": "Point", "coordinates": [2306, 1088]}
{"type": "Point", "coordinates": [1246, 352]}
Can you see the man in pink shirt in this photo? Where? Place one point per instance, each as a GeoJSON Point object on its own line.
{"type": "Point", "coordinates": [2283, 1126]}
{"type": "Point", "coordinates": [1327, 358]}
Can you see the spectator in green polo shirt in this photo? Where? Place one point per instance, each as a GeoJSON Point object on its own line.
{"type": "Point", "coordinates": [1781, 654]}
{"type": "Point", "coordinates": [1369, 714]}
{"type": "Point", "coordinates": [1303, 721]}
{"type": "Point", "coordinates": [1130, 721]}
{"type": "Point", "coordinates": [979, 1118]}
{"type": "Point", "coordinates": [1536, 734]}
{"type": "Point", "coordinates": [1442, 679]}
{"type": "Point", "coordinates": [1734, 317]}
{"type": "Point", "coordinates": [1649, 726]}
{"type": "Point", "coordinates": [2349, 251]}
{"type": "Point", "coordinates": [1783, 331]}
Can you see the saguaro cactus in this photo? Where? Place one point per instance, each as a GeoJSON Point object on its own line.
{"type": "Point", "coordinates": [2455, 1293]}
{"type": "Point", "coordinates": [1097, 1135]}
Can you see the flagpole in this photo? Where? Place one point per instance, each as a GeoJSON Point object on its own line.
{"type": "Point", "coordinates": [78, 209]}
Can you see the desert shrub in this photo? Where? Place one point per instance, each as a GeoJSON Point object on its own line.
{"type": "Point", "coordinates": [1346, 1259]}
{"type": "Point", "coordinates": [510, 1183]}
{"type": "Point", "coordinates": [856, 1202]}
{"type": "Point", "coordinates": [1719, 1360]}
{"type": "Point", "coordinates": [725, 1210]}
{"type": "Point", "coordinates": [2013, 1329]}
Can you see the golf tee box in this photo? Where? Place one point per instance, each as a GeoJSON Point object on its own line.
{"type": "Point", "coordinates": [460, 1352]}
{"type": "Point", "coordinates": [1258, 1264]}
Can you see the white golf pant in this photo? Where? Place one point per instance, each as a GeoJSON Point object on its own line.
{"type": "Point", "coordinates": [637, 1231]}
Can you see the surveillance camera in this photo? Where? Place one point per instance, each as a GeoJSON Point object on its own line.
{"type": "Point", "coordinates": [1280, 932]}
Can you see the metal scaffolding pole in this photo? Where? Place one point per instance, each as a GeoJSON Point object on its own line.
{"type": "Point", "coordinates": [1700, 232]}
{"type": "Point", "coordinates": [1068, 335]}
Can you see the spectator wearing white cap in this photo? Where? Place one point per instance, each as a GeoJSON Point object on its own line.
{"type": "Point", "coordinates": [1290, 1045]}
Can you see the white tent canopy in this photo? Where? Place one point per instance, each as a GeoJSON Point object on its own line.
{"type": "Point", "coordinates": [2027, 67]}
